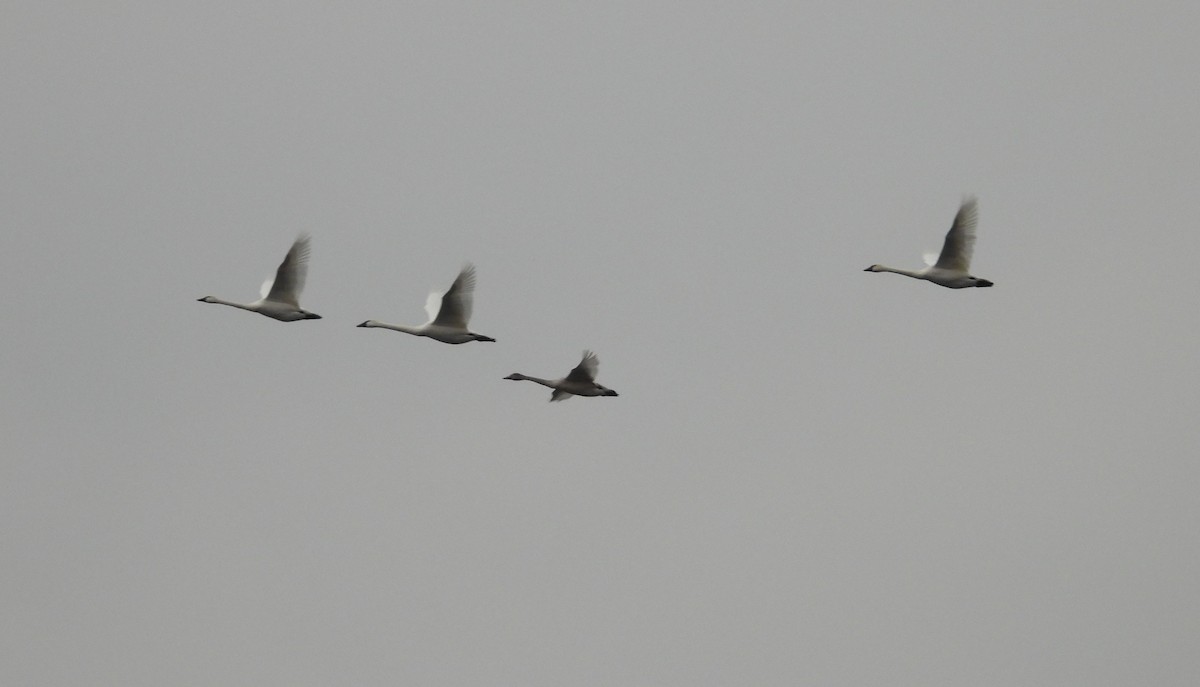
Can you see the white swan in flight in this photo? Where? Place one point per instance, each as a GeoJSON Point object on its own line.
{"type": "Point", "coordinates": [953, 266]}
{"type": "Point", "coordinates": [579, 382]}
{"type": "Point", "coordinates": [448, 313]}
{"type": "Point", "coordinates": [281, 295]}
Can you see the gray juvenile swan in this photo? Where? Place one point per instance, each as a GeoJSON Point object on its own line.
{"type": "Point", "coordinates": [281, 295]}
{"type": "Point", "coordinates": [579, 382]}
{"type": "Point", "coordinates": [448, 313]}
{"type": "Point", "coordinates": [953, 266]}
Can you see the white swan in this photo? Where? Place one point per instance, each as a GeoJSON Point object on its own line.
{"type": "Point", "coordinates": [953, 266]}
{"type": "Point", "coordinates": [281, 295]}
{"type": "Point", "coordinates": [448, 313]}
{"type": "Point", "coordinates": [579, 382]}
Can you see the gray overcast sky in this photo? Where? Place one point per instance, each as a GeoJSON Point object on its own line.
{"type": "Point", "coordinates": [813, 475]}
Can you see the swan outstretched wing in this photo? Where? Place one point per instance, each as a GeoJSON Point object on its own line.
{"type": "Point", "coordinates": [456, 303]}
{"type": "Point", "coordinates": [433, 303]}
{"type": "Point", "coordinates": [585, 371]}
{"type": "Point", "coordinates": [290, 277]}
{"type": "Point", "coordinates": [960, 240]}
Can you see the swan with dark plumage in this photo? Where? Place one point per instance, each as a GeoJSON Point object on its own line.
{"type": "Point", "coordinates": [953, 266]}
{"type": "Point", "coordinates": [448, 313]}
{"type": "Point", "coordinates": [580, 381]}
{"type": "Point", "coordinates": [281, 295]}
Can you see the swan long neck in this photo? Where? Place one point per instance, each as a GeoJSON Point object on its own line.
{"type": "Point", "coordinates": [395, 327]}
{"type": "Point", "coordinates": [544, 382]}
{"type": "Point", "coordinates": [244, 306]}
{"type": "Point", "coordinates": [897, 270]}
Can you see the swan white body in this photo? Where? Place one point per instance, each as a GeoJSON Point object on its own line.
{"type": "Point", "coordinates": [580, 381]}
{"type": "Point", "coordinates": [953, 266]}
{"type": "Point", "coordinates": [281, 295]}
{"type": "Point", "coordinates": [448, 313]}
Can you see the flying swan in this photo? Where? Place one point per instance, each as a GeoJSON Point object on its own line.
{"type": "Point", "coordinates": [448, 313]}
{"type": "Point", "coordinates": [953, 266]}
{"type": "Point", "coordinates": [579, 382]}
{"type": "Point", "coordinates": [281, 295]}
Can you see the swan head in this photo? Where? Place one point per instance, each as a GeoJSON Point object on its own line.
{"type": "Point", "coordinates": [311, 315]}
{"type": "Point", "coordinates": [874, 268]}
{"type": "Point", "coordinates": [481, 337]}
{"type": "Point", "coordinates": [517, 376]}
{"type": "Point", "coordinates": [605, 391]}
{"type": "Point", "coordinates": [368, 323]}
{"type": "Point", "coordinates": [981, 282]}
{"type": "Point", "coordinates": [207, 299]}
